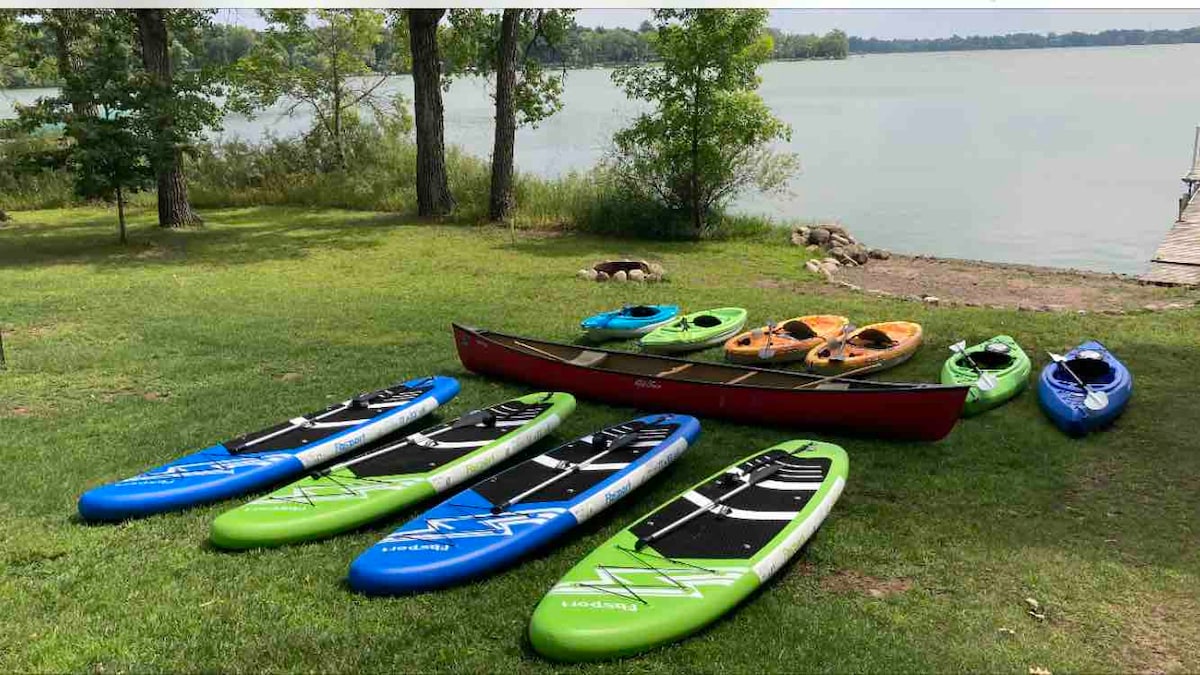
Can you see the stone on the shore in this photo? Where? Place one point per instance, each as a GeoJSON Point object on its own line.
{"type": "Point", "coordinates": [590, 275]}
{"type": "Point", "coordinates": [819, 236]}
{"type": "Point", "coordinates": [653, 278]}
{"type": "Point", "coordinates": [799, 239]}
{"type": "Point", "coordinates": [812, 247]}
{"type": "Point", "coordinates": [839, 239]}
{"type": "Point", "coordinates": [813, 266]}
{"type": "Point", "coordinates": [655, 268]}
{"type": "Point", "coordinates": [637, 275]}
{"type": "Point", "coordinates": [858, 253]}
{"type": "Point", "coordinates": [601, 276]}
{"type": "Point", "coordinates": [620, 276]}
{"type": "Point", "coordinates": [931, 299]}
{"type": "Point", "coordinates": [879, 253]}
{"type": "Point", "coordinates": [4, 217]}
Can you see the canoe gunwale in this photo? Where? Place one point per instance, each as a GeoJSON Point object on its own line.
{"type": "Point", "coordinates": [920, 411]}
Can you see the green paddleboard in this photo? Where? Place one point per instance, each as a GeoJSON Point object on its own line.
{"type": "Point", "coordinates": [698, 330]}
{"type": "Point", "coordinates": [693, 559]}
{"type": "Point", "coordinates": [392, 476]}
{"type": "Point", "coordinates": [1000, 356]}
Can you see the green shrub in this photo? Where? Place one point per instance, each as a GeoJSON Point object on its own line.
{"type": "Point", "coordinates": [32, 174]}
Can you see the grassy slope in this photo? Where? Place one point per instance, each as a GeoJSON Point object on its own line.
{"type": "Point", "coordinates": [122, 358]}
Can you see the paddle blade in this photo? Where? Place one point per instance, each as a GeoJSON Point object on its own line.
{"type": "Point", "coordinates": [959, 347]}
{"type": "Point", "coordinates": [1095, 400]}
{"type": "Point", "coordinates": [986, 382]}
{"type": "Point", "coordinates": [766, 353]}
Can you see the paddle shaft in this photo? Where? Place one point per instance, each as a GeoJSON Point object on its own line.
{"type": "Point", "coordinates": [984, 378]}
{"type": "Point", "coordinates": [1099, 399]}
{"type": "Point", "coordinates": [750, 481]}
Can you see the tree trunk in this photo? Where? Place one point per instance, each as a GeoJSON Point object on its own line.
{"type": "Point", "coordinates": [433, 189]}
{"type": "Point", "coordinates": [174, 208]}
{"type": "Point", "coordinates": [121, 213]}
{"type": "Point", "coordinates": [501, 202]}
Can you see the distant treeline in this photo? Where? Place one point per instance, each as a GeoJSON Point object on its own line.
{"type": "Point", "coordinates": [223, 44]}
{"type": "Point", "coordinates": [1108, 38]}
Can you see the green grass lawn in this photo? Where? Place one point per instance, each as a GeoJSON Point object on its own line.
{"type": "Point", "coordinates": [122, 358]}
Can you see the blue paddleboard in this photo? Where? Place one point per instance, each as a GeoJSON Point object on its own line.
{"type": "Point", "coordinates": [264, 458]}
{"type": "Point", "coordinates": [630, 321]}
{"type": "Point", "coordinates": [1062, 398]}
{"type": "Point", "coordinates": [502, 519]}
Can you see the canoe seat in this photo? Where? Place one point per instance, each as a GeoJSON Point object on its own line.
{"type": "Point", "coordinates": [588, 358]}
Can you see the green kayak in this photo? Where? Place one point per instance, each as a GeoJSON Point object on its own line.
{"type": "Point", "coordinates": [393, 476]}
{"type": "Point", "coordinates": [693, 559]}
{"type": "Point", "coordinates": [698, 330]}
{"type": "Point", "coordinates": [1001, 357]}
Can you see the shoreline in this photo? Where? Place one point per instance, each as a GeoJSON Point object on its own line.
{"type": "Point", "coordinates": [938, 281]}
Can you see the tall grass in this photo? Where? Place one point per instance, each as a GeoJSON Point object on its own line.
{"type": "Point", "coordinates": [378, 174]}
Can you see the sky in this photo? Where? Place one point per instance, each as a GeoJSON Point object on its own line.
{"type": "Point", "coordinates": [901, 23]}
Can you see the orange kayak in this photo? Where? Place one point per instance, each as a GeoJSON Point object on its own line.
{"type": "Point", "coordinates": [872, 348]}
{"type": "Point", "coordinates": [783, 342]}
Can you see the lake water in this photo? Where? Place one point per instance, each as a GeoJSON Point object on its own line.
{"type": "Point", "coordinates": [1065, 157]}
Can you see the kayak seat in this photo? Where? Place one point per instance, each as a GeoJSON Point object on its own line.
{"type": "Point", "coordinates": [799, 330]}
{"type": "Point", "coordinates": [871, 338]}
{"type": "Point", "coordinates": [987, 360]}
{"type": "Point", "coordinates": [1092, 371]}
{"type": "Point", "coordinates": [706, 321]}
{"type": "Point", "coordinates": [588, 359]}
{"type": "Point", "coordinates": [640, 311]}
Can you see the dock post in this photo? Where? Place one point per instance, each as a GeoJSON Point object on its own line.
{"type": "Point", "coordinates": [1191, 182]}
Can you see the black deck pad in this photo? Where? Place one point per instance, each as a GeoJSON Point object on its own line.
{"type": "Point", "coordinates": [518, 479]}
{"type": "Point", "coordinates": [714, 535]}
{"type": "Point", "coordinates": [301, 436]}
{"type": "Point", "coordinates": [408, 457]}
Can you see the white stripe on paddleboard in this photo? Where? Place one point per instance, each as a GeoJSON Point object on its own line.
{"type": "Point", "coordinates": [739, 514]}
{"type": "Point", "coordinates": [783, 485]}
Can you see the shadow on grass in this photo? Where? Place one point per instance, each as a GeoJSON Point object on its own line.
{"type": "Point", "coordinates": [230, 237]}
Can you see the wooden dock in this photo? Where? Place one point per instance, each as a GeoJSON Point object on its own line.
{"type": "Point", "coordinates": [1177, 261]}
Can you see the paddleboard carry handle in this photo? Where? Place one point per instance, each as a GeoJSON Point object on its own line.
{"type": "Point", "coordinates": [750, 479]}
{"type": "Point", "coordinates": [568, 468]}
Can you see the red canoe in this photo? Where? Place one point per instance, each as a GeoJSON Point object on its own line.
{"type": "Point", "coordinates": [924, 412]}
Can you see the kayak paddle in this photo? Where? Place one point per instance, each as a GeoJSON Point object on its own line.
{"type": "Point", "coordinates": [986, 381]}
{"type": "Point", "coordinates": [1094, 400]}
{"type": "Point", "coordinates": [841, 345]}
{"type": "Point", "coordinates": [768, 351]}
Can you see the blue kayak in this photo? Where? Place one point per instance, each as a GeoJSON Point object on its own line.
{"type": "Point", "coordinates": [629, 322]}
{"type": "Point", "coordinates": [261, 459]}
{"type": "Point", "coordinates": [1063, 399]}
{"type": "Point", "coordinates": [504, 518]}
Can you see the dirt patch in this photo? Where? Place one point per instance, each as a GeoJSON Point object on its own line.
{"type": "Point", "coordinates": [850, 581]}
{"type": "Point", "coordinates": [1163, 636]}
{"type": "Point", "coordinates": [975, 283]}
{"type": "Point", "coordinates": [289, 377]}
{"type": "Point", "coordinates": [20, 411]}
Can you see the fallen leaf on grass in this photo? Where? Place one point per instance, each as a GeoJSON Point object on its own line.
{"type": "Point", "coordinates": [1007, 632]}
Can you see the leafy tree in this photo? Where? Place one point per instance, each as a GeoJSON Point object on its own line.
{"type": "Point", "coordinates": [327, 64]}
{"type": "Point", "coordinates": [110, 152]}
{"type": "Point", "coordinates": [177, 105]}
{"type": "Point", "coordinates": [501, 44]}
{"type": "Point", "coordinates": [433, 188]}
{"type": "Point", "coordinates": [708, 136]}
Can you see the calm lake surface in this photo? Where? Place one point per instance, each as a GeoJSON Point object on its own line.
{"type": "Point", "coordinates": [1064, 157]}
